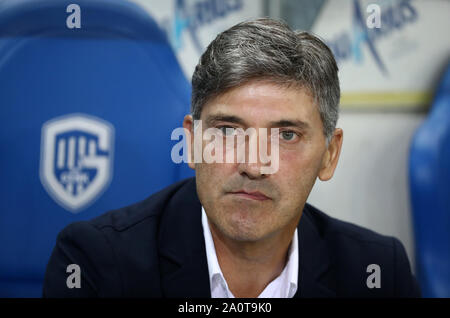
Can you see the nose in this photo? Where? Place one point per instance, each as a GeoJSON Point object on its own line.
{"type": "Point", "coordinates": [251, 167]}
{"type": "Point", "coordinates": [251, 170]}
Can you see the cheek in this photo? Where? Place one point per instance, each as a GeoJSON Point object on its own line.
{"type": "Point", "coordinates": [298, 171]}
{"type": "Point", "coordinates": [208, 174]}
{"type": "Point", "coordinates": [304, 158]}
{"type": "Point", "coordinates": [294, 163]}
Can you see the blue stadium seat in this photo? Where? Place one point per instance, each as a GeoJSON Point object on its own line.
{"type": "Point", "coordinates": [429, 172]}
{"type": "Point", "coordinates": [86, 120]}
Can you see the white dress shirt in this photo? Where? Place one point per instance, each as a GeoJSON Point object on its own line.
{"type": "Point", "coordinates": [284, 286]}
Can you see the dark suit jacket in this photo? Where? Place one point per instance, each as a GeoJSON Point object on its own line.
{"type": "Point", "coordinates": [155, 248]}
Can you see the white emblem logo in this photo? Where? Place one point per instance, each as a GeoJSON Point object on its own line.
{"type": "Point", "coordinates": [76, 159]}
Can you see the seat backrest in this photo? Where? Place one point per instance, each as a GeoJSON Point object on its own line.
{"type": "Point", "coordinates": [429, 172]}
{"type": "Point", "coordinates": [86, 120]}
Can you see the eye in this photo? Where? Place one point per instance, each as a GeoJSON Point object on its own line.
{"type": "Point", "coordinates": [227, 130]}
{"type": "Point", "coordinates": [288, 135]}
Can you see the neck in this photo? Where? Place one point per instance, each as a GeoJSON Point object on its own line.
{"type": "Point", "coordinates": [248, 267]}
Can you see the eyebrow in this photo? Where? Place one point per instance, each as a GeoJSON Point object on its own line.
{"type": "Point", "coordinates": [290, 123]}
{"type": "Point", "coordinates": [214, 118]}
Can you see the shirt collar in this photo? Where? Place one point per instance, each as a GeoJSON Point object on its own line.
{"type": "Point", "coordinates": [292, 267]}
{"type": "Point", "coordinates": [213, 263]}
{"type": "Point", "coordinates": [289, 274]}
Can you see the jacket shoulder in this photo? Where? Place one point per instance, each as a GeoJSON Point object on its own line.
{"type": "Point", "coordinates": [355, 250]}
{"type": "Point", "coordinates": [331, 227]}
{"type": "Point", "coordinates": [108, 251]}
{"type": "Point", "coordinates": [148, 209]}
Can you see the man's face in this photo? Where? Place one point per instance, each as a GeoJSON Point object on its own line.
{"type": "Point", "coordinates": [303, 156]}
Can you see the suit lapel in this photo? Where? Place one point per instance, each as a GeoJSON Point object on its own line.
{"type": "Point", "coordinates": [183, 263]}
{"type": "Point", "coordinates": [316, 275]}
{"type": "Point", "coordinates": [182, 252]}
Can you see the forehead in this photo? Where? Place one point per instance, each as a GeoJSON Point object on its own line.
{"type": "Point", "coordinates": [261, 102]}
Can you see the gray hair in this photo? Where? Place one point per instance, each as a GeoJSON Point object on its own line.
{"type": "Point", "coordinates": [267, 49]}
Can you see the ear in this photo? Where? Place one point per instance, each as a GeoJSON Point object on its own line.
{"type": "Point", "coordinates": [188, 125]}
{"type": "Point", "coordinates": [331, 156]}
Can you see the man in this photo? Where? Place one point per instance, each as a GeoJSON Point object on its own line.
{"type": "Point", "coordinates": [237, 229]}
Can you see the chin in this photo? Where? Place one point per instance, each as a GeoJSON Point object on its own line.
{"type": "Point", "coordinates": [245, 230]}
{"type": "Point", "coordinates": [245, 236]}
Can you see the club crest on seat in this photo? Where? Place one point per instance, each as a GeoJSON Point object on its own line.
{"type": "Point", "coordinates": [76, 159]}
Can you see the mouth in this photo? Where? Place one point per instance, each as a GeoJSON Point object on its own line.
{"type": "Point", "coordinates": [256, 195]}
